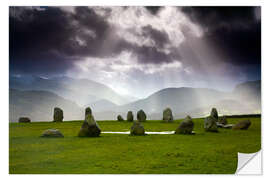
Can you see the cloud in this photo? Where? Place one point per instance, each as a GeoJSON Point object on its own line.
{"type": "Point", "coordinates": [126, 72]}
{"type": "Point", "coordinates": [153, 9]}
{"type": "Point", "coordinates": [157, 46]}
{"type": "Point", "coordinates": [39, 36]}
{"type": "Point", "coordinates": [234, 30]}
{"type": "Point", "coordinates": [125, 63]}
{"type": "Point", "coordinates": [160, 38]}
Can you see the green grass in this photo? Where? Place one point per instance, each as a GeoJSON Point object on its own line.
{"type": "Point", "coordinates": [202, 153]}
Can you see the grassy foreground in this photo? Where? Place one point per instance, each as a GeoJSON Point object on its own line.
{"type": "Point", "coordinates": [202, 153]}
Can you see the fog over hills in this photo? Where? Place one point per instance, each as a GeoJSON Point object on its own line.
{"type": "Point", "coordinates": [102, 105]}
{"type": "Point", "coordinates": [249, 91]}
{"type": "Point", "coordinates": [197, 102]}
{"type": "Point", "coordinates": [81, 91]}
{"type": "Point", "coordinates": [183, 98]}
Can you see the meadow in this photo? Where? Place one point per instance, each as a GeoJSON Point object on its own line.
{"type": "Point", "coordinates": [202, 153]}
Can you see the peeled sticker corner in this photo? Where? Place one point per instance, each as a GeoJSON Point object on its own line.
{"type": "Point", "coordinates": [249, 163]}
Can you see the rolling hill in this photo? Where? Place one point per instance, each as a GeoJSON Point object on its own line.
{"type": "Point", "coordinates": [102, 105]}
{"type": "Point", "coordinates": [179, 99]}
{"type": "Point", "coordinates": [81, 91]}
{"type": "Point", "coordinates": [197, 102]}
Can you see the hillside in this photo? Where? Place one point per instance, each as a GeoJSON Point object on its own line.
{"type": "Point", "coordinates": [197, 102]}
{"type": "Point", "coordinates": [102, 105]}
{"type": "Point", "coordinates": [81, 91]}
{"type": "Point", "coordinates": [178, 99]}
{"type": "Point", "coordinates": [249, 92]}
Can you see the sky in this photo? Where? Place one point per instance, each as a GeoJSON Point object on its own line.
{"type": "Point", "coordinates": [138, 50]}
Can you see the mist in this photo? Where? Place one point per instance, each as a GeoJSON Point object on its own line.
{"type": "Point", "coordinates": [38, 104]}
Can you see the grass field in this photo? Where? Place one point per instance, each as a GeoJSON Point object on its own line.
{"type": "Point", "coordinates": [202, 153]}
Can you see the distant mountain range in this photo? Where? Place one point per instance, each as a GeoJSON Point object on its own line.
{"type": "Point", "coordinates": [102, 105]}
{"type": "Point", "coordinates": [81, 91]}
{"type": "Point", "coordinates": [66, 92]}
{"type": "Point", "coordinates": [249, 91]}
{"type": "Point", "coordinates": [178, 99]}
{"type": "Point", "coordinates": [197, 102]}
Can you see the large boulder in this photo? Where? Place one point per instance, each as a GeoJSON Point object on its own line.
{"type": "Point", "coordinates": [58, 115]}
{"type": "Point", "coordinates": [167, 115]}
{"type": "Point", "coordinates": [88, 111]}
{"type": "Point", "coordinates": [222, 120]}
{"type": "Point", "coordinates": [214, 113]}
{"type": "Point", "coordinates": [119, 118]}
{"type": "Point", "coordinates": [141, 116]}
{"type": "Point", "coordinates": [89, 127]}
{"type": "Point", "coordinates": [130, 116]}
{"type": "Point", "coordinates": [242, 125]}
{"type": "Point", "coordinates": [24, 120]}
{"type": "Point", "coordinates": [52, 133]}
{"type": "Point", "coordinates": [137, 129]}
{"type": "Point", "coordinates": [210, 124]}
{"type": "Point", "coordinates": [185, 127]}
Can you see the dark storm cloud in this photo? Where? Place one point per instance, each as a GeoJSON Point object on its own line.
{"type": "Point", "coordinates": [49, 40]}
{"type": "Point", "coordinates": [35, 41]}
{"type": "Point", "coordinates": [55, 29]}
{"type": "Point", "coordinates": [153, 9]}
{"type": "Point", "coordinates": [160, 38]}
{"type": "Point", "coordinates": [152, 55]}
{"type": "Point", "coordinates": [119, 46]}
{"type": "Point", "coordinates": [105, 43]}
{"type": "Point", "coordinates": [235, 30]}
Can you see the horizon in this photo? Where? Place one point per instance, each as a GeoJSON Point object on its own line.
{"type": "Point", "coordinates": [128, 95]}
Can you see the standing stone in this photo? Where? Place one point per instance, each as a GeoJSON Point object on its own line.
{"type": "Point", "coordinates": [222, 120]}
{"type": "Point", "coordinates": [89, 127]}
{"type": "Point", "coordinates": [24, 120]}
{"type": "Point", "coordinates": [214, 114]}
{"type": "Point", "coordinates": [137, 129]}
{"type": "Point", "coordinates": [54, 133]}
{"type": "Point", "coordinates": [167, 115]}
{"type": "Point", "coordinates": [88, 111]}
{"type": "Point", "coordinates": [210, 124]}
{"type": "Point", "coordinates": [185, 127]}
{"type": "Point", "coordinates": [141, 116]}
{"type": "Point", "coordinates": [58, 115]}
{"type": "Point", "coordinates": [130, 116]}
{"type": "Point", "coordinates": [242, 125]}
{"type": "Point", "coordinates": [119, 118]}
